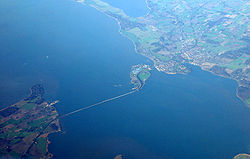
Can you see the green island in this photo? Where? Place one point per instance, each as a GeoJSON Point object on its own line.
{"type": "Point", "coordinates": [211, 34]}
{"type": "Point", "coordinates": [242, 156]}
{"type": "Point", "coordinates": [25, 126]}
{"type": "Point", "coordinates": [118, 157]}
{"type": "Point", "coordinates": [139, 74]}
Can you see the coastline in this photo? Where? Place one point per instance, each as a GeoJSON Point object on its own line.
{"type": "Point", "coordinates": [50, 155]}
{"type": "Point", "coordinates": [242, 155]}
{"type": "Point", "coordinates": [237, 88]}
{"type": "Point", "coordinates": [27, 125]}
{"type": "Point", "coordinates": [154, 62]}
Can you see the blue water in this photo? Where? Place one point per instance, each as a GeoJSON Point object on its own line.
{"type": "Point", "coordinates": [173, 116]}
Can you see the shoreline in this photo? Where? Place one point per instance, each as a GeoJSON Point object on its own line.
{"type": "Point", "coordinates": [241, 154]}
{"type": "Point", "coordinates": [50, 155]}
{"type": "Point", "coordinates": [154, 62]}
{"type": "Point", "coordinates": [236, 89]}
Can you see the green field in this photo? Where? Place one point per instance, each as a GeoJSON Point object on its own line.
{"type": "Point", "coordinates": [14, 134]}
{"type": "Point", "coordinates": [145, 36]}
{"type": "Point", "coordinates": [161, 57]}
{"type": "Point", "coordinates": [12, 121]}
{"type": "Point", "coordinates": [9, 135]}
{"type": "Point", "coordinates": [37, 123]}
{"type": "Point", "coordinates": [15, 154]}
{"type": "Point", "coordinates": [238, 63]}
{"type": "Point", "coordinates": [41, 144]}
{"type": "Point", "coordinates": [144, 75]}
{"type": "Point", "coordinates": [248, 101]}
{"type": "Point", "coordinates": [28, 106]}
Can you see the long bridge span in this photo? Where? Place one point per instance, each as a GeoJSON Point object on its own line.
{"type": "Point", "coordinates": [96, 104]}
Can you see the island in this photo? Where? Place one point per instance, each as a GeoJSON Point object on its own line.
{"type": "Point", "coordinates": [242, 156]}
{"type": "Point", "coordinates": [25, 126]}
{"type": "Point", "coordinates": [118, 157]}
{"type": "Point", "coordinates": [211, 34]}
{"type": "Point", "coordinates": [139, 74]}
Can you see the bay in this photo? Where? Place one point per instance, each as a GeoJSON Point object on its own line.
{"type": "Point", "coordinates": [79, 56]}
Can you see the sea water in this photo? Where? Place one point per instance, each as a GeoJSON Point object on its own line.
{"type": "Point", "coordinates": [79, 56]}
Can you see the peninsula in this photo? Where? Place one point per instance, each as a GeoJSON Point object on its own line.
{"type": "Point", "coordinates": [211, 34]}
{"type": "Point", "coordinates": [25, 126]}
{"type": "Point", "coordinates": [242, 156]}
{"type": "Point", "coordinates": [139, 74]}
